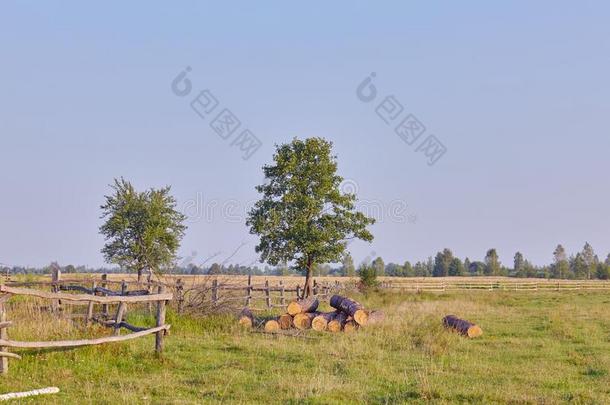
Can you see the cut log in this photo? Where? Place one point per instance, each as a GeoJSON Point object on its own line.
{"type": "Point", "coordinates": [375, 317]}
{"type": "Point", "coordinates": [246, 318]}
{"type": "Point", "coordinates": [303, 320]}
{"type": "Point", "coordinates": [350, 326]}
{"type": "Point", "coordinates": [336, 324]}
{"type": "Point", "coordinates": [351, 308]}
{"type": "Point", "coordinates": [272, 326]}
{"type": "Point", "coordinates": [320, 322]}
{"type": "Point", "coordinates": [285, 321]}
{"type": "Point", "coordinates": [305, 305]}
{"type": "Point", "coordinates": [462, 326]}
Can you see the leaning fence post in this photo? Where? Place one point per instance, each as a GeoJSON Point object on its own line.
{"type": "Point", "coordinates": [105, 285]}
{"type": "Point", "coordinates": [298, 291]}
{"type": "Point", "coordinates": [3, 336]}
{"type": "Point", "coordinates": [268, 293]}
{"type": "Point", "coordinates": [215, 292]}
{"type": "Point", "coordinates": [120, 313]}
{"type": "Point", "coordinates": [160, 321]}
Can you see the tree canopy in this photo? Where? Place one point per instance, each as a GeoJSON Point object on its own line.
{"type": "Point", "coordinates": [143, 230]}
{"type": "Point", "coordinates": [303, 217]}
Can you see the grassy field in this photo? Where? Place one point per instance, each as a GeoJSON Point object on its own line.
{"type": "Point", "coordinates": [543, 347]}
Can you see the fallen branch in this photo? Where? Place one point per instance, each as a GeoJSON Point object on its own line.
{"type": "Point", "coordinates": [15, 395]}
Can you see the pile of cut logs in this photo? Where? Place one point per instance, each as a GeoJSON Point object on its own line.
{"type": "Point", "coordinates": [348, 316]}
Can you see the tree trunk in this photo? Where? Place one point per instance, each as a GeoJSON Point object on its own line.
{"type": "Point", "coordinates": [462, 326]}
{"type": "Point", "coordinates": [351, 308]}
{"type": "Point", "coordinates": [308, 288]}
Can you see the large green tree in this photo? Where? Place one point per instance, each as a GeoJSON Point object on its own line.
{"type": "Point", "coordinates": [379, 266]}
{"type": "Point", "coordinates": [143, 230]}
{"type": "Point", "coordinates": [303, 217]}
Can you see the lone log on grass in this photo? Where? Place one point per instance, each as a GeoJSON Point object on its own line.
{"type": "Point", "coordinates": [351, 308]}
{"type": "Point", "coordinates": [246, 318]}
{"type": "Point", "coordinates": [462, 326]}
{"type": "Point", "coordinates": [304, 305]}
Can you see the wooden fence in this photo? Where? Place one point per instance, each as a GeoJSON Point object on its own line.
{"type": "Point", "coordinates": [432, 285]}
{"type": "Point", "coordinates": [91, 296]}
{"type": "Point", "coordinates": [272, 295]}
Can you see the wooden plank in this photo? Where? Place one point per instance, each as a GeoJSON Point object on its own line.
{"type": "Point", "coordinates": [6, 324]}
{"type": "Point", "coordinates": [84, 297]}
{"type": "Point", "coordinates": [83, 342]}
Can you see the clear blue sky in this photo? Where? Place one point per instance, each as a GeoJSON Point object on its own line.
{"type": "Point", "coordinates": [519, 94]}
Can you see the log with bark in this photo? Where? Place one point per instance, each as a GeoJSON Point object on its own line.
{"type": "Point", "coordinates": [351, 308]}
{"type": "Point", "coordinates": [285, 321]}
{"type": "Point", "coordinates": [304, 305]}
{"type": "Point", "coordinates": [462, 326]}
{"type": "Point", "coordinates": [336, 324]}
{"type": "Point", "coordinates": [303, 320]}
{"type": "Point", "coordinates": [246, 318]}
{"type": "Point", "coordinates": [320, 322]}
{"type": "Point", "coordinates": [272, 325]}
{"type": "Point", "coordinates": [350, 326]}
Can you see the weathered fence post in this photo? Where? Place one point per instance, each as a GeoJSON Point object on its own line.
{"type": "Point", "coordinates": [90, 306]}
{"type": "Point", "coordinates": [55, 279]}
{"type": "Point", "coordinates": [249, 291]}
{"type": "Point", "coordinates": [160, 321]}
{"type": "Point", "coordinates": [4, 336]}
{"type": "Point", "coordinates": [315, 288]}
{"type": "Point", "coordinates": [104, 285]}
{"type": "Point", "coordinates": [268, 293]}
{"type": "Point", "coordinates": [123, 287]}
{"type": "Point", "coordinates": [282, 299]}
{"type": "Point", "coordinates": [298, 291]}
{"type": "Point", "coordinates": [215, 292]}
{"type": "Point", "coordinates": [180, 294]}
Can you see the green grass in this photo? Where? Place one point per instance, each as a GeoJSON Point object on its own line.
{"type": "Point", "coordinates": [536, 348]}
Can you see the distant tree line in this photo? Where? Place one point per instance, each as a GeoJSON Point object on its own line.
{"type": "Point", "coordinates": [584, 265]}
